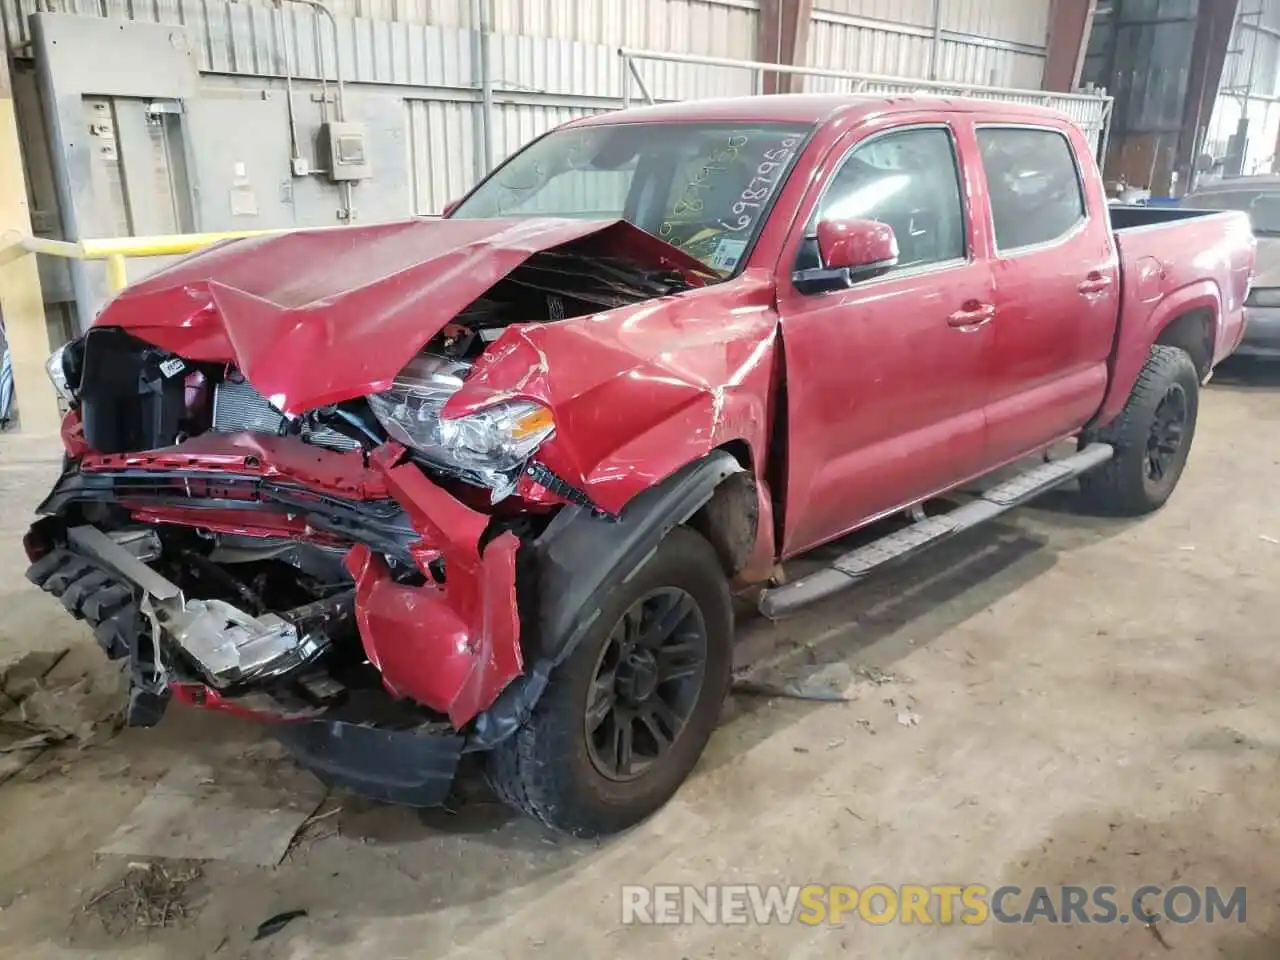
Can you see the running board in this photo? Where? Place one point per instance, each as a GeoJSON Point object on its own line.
{"type": "Point", "coordinates": [854, 566]}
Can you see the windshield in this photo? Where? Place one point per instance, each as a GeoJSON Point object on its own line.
{"type": "Point", "coordinates": [702, 187]}
{"type": "Point", "coordinates": [1263, 206]}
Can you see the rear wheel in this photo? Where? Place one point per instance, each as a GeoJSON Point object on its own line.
{"type": "Point", "coordinates": [626, 716]}
{"type": "Point", "coordinates": [1152, 438]}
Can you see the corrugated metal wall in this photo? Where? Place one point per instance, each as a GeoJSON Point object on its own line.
{"type": "Point", "coordinates": [724, 28]}
{"type": "Point", "coordinates": [1142, 52]}
{"type": "Point", "coordinates": [550, 59]}
{"type": "Point", "coordinates": [553, 59]}
{"type": "Point", "coordinates": [232, 33]}
{"type": "Point", "coordinates": [992, 42]}
{"type": "Point", "coordinates": [417, 42]}
{"type": "Point", "coordinates": [441, 143]}
{"type": "Point", "coordinates": [1250, 89]}
{"type": "Point", "coordinates": [442, 160]}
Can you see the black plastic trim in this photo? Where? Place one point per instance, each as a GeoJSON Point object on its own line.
{"type": "Point", "coordinates": [580, 558]}
{"type": "Point", "coordinates": [382, 525]}
{"type": "Point", "coordinates": [405, 767]}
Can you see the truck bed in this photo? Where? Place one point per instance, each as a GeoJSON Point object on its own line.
{"type": "Point", "coordinates": [1134, 217]}
{"type": "Point", "coordinates": [1176, 262]}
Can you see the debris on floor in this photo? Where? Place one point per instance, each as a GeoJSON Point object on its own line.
{"type": "Point", "coordinates": [149, 895]}
{"type": "Point", "coordinates": [21, 676]}
{"type": "Point", "coordinates": [875, 675]}
{"type": "Point", "coordinates": [908, 717]}
{"type": "Point", "coordinates": [829, 683]}
{"type": "Point", "coordinates": [248, 812]}
{"type": "Point", "coordinates": [56, 696]}
{"type": "Point", "coordinates": [305, 837]}
{"type": "Point", "coordinates": [273, 925]}
{"type": "Point", "coordinates": [752, 688]}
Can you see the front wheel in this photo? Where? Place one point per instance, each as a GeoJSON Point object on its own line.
{"type": "Point", "coordinates": [1152, 438]}
{"type": "Point", "coordinates": [626, 716]}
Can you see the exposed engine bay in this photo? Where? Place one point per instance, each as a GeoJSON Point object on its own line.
{"type": "Point", "coordinates": [135, 396]}
{"type": "Point", "coordinates": [553, 285]}
{"type": "Point", "coordinates": [239, 612]}
{"type": "Point", "coordinates": [208, 536]}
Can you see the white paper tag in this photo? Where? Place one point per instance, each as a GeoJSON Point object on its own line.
{"type": "Point", "coordinates": [728, 253]}
{"type": "Point", "coordinates": [173, 366]}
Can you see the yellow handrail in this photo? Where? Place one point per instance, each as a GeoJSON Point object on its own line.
{"type": "Point", "coordinates": [166, 246]}
{"type": "Point", "coordinates": [114, 250]}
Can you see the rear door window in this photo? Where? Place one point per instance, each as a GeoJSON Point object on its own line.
{"type": "Point", "coordinates": [1034, 185]}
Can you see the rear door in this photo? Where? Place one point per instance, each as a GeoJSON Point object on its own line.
{"type": "Point", "coordinates": [886, 379]}
{"type": "Point", "coordinates": [1057, 285]}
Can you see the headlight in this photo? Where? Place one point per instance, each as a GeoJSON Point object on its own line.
{"type": "Point", "coordinates": [64, 379]}
{"type": "Point", "coordinates": [1264, 297]}
{"type": "Point", "coordinates": [488, 446]}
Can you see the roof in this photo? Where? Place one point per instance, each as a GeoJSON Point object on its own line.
{"type": "Point", "coordinates": [809, 108]}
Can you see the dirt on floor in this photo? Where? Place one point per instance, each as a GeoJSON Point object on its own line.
{"type": "Point", "coordinates": [1054, 700]}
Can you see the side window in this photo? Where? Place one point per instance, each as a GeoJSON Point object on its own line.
{"type": "Point", "coordinates": [1033, 183]}
{"type": "Point", "coordinates": [908, 180]}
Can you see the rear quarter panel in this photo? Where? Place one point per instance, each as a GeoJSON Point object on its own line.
{"type": "Point", "coordinates": [1171, 269]}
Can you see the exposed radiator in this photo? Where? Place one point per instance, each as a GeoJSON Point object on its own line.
{"type": "Point", "coordinates": [237, 406]}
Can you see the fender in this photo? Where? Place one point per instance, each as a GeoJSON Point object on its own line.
{"type": "Point", "coordinates": [1137, 334]}
{"type": "Point", "coordinates": [639, 391]}
{"type": "Point", "coordinates": [575, 562]}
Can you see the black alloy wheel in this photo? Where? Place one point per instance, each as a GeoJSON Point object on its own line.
{"type": "Point", "coordinates": [626, 715]}
{"type": "Point", "coordinates": [1168, 427]}
{"type": "Point", "coordinates": [1151, 438]}
{"type": "Point", "coordinates": [646, 683]}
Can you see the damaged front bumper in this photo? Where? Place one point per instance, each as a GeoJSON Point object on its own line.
{"type": "Point", "coordinates": [413, 768]}
{"type": "Point", "coordinates": [226, 644]}
{"type": "Point", "coordinates": [447, 639]}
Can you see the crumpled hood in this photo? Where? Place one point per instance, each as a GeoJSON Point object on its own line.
{"type": "Point", "coordinates": [319, 316]}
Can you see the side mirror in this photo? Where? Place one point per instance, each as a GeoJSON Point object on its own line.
{"type": "Point", "coordinates": [859, 246]}
{"type": "Point", "coordinates": [449, 207]}
{"type": "Point", "coordinates": [848, 251]}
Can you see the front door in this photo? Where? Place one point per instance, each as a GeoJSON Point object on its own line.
{"type": "Point", "coordinates": [886, 379]}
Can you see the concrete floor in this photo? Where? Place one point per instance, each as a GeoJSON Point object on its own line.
{"type": "Point", "coordinates": [1096, 704]}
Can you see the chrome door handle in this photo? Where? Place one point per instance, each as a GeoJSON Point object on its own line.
{"type": "Point", "coordinates": [972, 314]}
{"type": "Point", "coordinates": [1094, 283]}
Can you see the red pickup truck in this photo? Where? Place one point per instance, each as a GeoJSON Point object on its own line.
{"type": "Point", "coordinates": [484, 484]}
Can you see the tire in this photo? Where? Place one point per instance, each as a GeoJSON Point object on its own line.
{"type": "Point", "coordinates": [555, 769]}
{"type": "Point", "coordinates": [1147, 463]}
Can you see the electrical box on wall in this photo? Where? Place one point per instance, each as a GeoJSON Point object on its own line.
{"type": "Point", "coordinates": [347, 149]}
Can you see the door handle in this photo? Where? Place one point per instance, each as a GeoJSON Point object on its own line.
{"type": "Point", "coordinates": [972, 314]}
{"type": "Point", "coordinates": [1094, 283]}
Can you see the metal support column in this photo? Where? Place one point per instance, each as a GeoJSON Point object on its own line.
{"type": "Point", "coordinates": [1069, 24]}
{"type": "Point", "coordinates": [482, 34]}
{"type": "Point", "coordinates": [935, 47]}
{"type": "Point", "coordinates": [782, 37]}
{"type": "Point", "coordinates": [1214, 27]}
{"type": "Point", "coordinates": [21, 303]}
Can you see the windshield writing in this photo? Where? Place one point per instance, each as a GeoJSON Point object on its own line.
{"type": "Point", "coordinates": [703, 188]}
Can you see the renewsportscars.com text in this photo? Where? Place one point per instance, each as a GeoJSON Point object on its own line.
{"type": "Point", "coordinates": [933, 904]}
